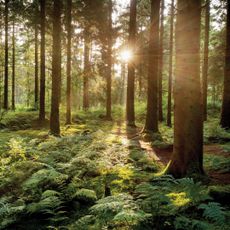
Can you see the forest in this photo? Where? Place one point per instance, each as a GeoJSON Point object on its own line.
{"type": "Point", "coordinates": [115, 114]}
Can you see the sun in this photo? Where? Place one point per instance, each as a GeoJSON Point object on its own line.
{"type": "Point", "coordinates": [126, 55]}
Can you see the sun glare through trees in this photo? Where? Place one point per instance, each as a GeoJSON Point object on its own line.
{"type": "Point", "coordinates": [115, 114]}
{"type": "Point", "coordinates": [126, 55]}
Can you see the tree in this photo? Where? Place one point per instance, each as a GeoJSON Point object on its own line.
{"type": "Point", "coordinates": [69, 57]}
{"type": "Point", "coordinates": [206, 59]}
{"type": "Point", "coordinates": [13, 68]}
{"type": "Point", "coordinates": [161, 54]}
{"type": "Point", "coordinates": [130, 113]}
{"type": "Point", "coordinates": [36, 90]}
{"type": "Point", "coordinates": [86, 70]}
{"type": "Point", "coordinates": [109, 60]}
{"type": "Point", "coordinates": [56, 69]}
{"type": "Point", "coordinates": [6, 79]}
{"type": "Point", "coordinates": [225, 114]}
{"type": "Point", "coordinates": [169, 109]}
{"type": "Point", "coordinates": [187, 156]}
{"type": "Point", "coordinates": [151, 123]}
{"type": "Point", "coordinates": [42, 62]}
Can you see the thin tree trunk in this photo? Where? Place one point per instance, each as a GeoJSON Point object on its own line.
{"type": "Point", "coordinates": [123, 80]}
{"type": "Point", "coordinates": [161, 62]}
{"type": "Point", "coordinates": [151, 123]}
{"type": "Point", "coordinates": [109, 60]}
{"type": "Point", "coordinates": [86, 70]}
{"type": "Point", "coordinates": [13, 68]}
{"type": "Point", "coordinates": [206, 54]}
{"type": "Point", "coordinates": [43, 68]}
{"type": "Point", "coordinates": [69, 57]}
{"type": "Point", "coordinates": [6, 105]}
{"type": "Point", "coordinates": [187, 158]}
{"type": "Point", "coordinates": [36, 68]}
{"type": "Point", "coordinates": [169, 109]}
{"type": "Point", "coordinates": [130, 110]}
{"type": "Point", "coordinates": [225, 115]}
{"type": "Point", "coordinates": [56, 69]}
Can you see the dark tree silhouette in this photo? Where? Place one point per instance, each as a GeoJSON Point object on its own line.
{"type": "Point", "coordinates": [86, 70]}
{"type": "Point", "coordinates": [42, 63]}
{"type": "Point", "coordinates": [109, 60]}
{"type": "Point", "coordinates": [69, 56]}
{"type": "Point", "coordinates": [161, 54]}
{"type": "Point", "coordinates": [206, 54]}
{"type": "Point", "coordinates": [56, 69]}
{"type": "Point", "coordinates": [6, 79]}
{"type": "Point", "coordinates": [187, 156]}
{"type": "Point", "coordinates": [225, 115]}
{"type": "Point", "coordinates": [151, 123]}
{"type": "Point", "coordinates": [13, 68]}
{"type": "Point", "coordinates": [169, 109]}
{"type": "Point", "coordinates": [130, 113]}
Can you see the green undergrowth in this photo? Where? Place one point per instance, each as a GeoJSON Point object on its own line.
{"type": "Point", "coordinates": [217, 163]}
{"type": "Point", "coordinates": [93, 177]}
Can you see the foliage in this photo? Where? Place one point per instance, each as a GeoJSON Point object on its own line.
{"type": "Point", "coordinates": [214, 212]}
{"type": "Point", "coordinates": [90, 179]}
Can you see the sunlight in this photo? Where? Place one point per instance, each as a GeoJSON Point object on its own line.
{"type": "Point", "coordinates": [126, 55]}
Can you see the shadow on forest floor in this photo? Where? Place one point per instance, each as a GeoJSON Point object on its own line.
{"type": "Point", "coordinates": [212, 152]}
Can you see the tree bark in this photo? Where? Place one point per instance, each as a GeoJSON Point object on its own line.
{"type": "Point", "coordinates": [43, 68]}
{"type": "Point", "coordinates": [86, 70]}
{"type": "Point", "coordinates": [69, 57]}
{"type": "Point", "coordinates": [109, 64]}
{"type": "Point", "coordinates": [161, 62]}
{"type": "Point", "coordinates": [169, 109]}
{"type": "Point", "coordinates": [130, 110]}
{"type": "Point", "coordinates": [151, 123]}
{"type": "Point", "coordinates": [206, 54]}
{"type": "Point", "coordinates": [56, 69]}
{"type": "Point", "coordinates": [13, 68]}
{"type": "Point", "coordinates": [6, 79]}
{"type": "Point", "coordinates": [225, 115]}
{"type": "Point", "coordinates": [187, 158]}
{"type": "Point", "coordinates": [36, 66]}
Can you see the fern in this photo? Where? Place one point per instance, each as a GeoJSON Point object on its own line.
{"type": "Point", "coordinates": [85, 222]}
{"type": "Point", "coordinates": [183, 222]}
{"type": "Point", "coordinates": [213, 212]}
{"type": "Point", "coordinates": [44, 178]}
{"type": "Point", "coordinates": [130, 217]}
{"type": "Point", "coordinates": [195, 191]}
{"type": "Point", "coordinates": [46, 205]}
{"type": "Point", "coordinates": [86, 195]}
{"type": "Point", "coordinates": [120, 210]}
{"type": "Point", "coordinates": [9, 211]}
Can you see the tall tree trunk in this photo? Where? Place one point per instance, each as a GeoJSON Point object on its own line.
{"type": "Point", "coordinates": [43, 68]}
{"type": "Point", "coordinates": [109, 60]}
{"type": "Point", "coordinates": [86, 70]}
{"type": "Point", "coordinates": [36, 67]}
{"type": "Point", "coordinates": [69, 57]}
{"type": "Point", "coordinates": [187, 158]}
{"type": "Point", "coordinates": [13, 68]}
{"type": "Point", "coordinates": [130, 113]}
{"type": "Point", "coordinates": [169, 109]}
{"type": "Point", "coordinates": [140, 82]}
{"type": "Point", "coordinates": [151, 123]}
{"type": "Point", "coordinates": [123, 80]}
{"type": "Point", "coordinates": [6, 105]}
{"type": "Point", "coordinates": [161, 55]}
{"type": "Point", "coordinates": [225, 115]}
{"type": "Point", "coordinates": [206, 54]}
{"type": "Point", "coordinates": [56, 69]}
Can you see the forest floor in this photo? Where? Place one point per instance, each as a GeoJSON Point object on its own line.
{"type": "Point", "coordinates": [95, 158]}
{"type": "Point", "coordinates": [162, 155]}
